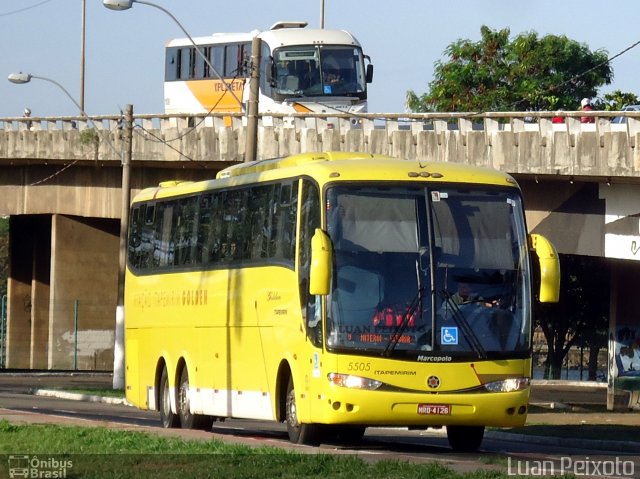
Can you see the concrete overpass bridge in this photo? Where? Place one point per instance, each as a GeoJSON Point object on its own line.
{"type": "Point", "coordinates": [61, 186]}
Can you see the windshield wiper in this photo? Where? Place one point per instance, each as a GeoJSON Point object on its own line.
{"type": "Point", "coordinates": [397, 332]}
{"type": "Point", "coordinates": [463, 324]}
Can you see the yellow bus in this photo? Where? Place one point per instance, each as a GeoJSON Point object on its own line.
{"type": "Point", "coordinates": [335, 291]}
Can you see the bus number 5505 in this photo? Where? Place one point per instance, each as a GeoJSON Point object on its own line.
{"type": "Point", "coordinates": [355, 366]}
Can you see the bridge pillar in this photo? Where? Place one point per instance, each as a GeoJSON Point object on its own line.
{"type": "Point", "coordinates": [84, 278]}
{"type": "Point", "coordinates": [40, 277]}
{"type": "Point", "coordinates": [28, 292]}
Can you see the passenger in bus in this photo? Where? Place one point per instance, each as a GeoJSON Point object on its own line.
{"type": "Point", "coordinates": [494, 327]}
{"type": "Point", "coordinates": [467, 293]}
{"type": "Point", "coordinates": [333, 77]}
{"type": "Point", "coordinates": [332, 74]}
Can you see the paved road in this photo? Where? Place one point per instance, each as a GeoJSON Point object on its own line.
{"type": "Point", "coordinates": [25, 381]}
{"type": "Point", "coordinates": [399, 444]}
{"type": "Point", "coordinates": [18, 405]}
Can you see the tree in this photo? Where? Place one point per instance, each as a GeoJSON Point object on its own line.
{"type": "Point", "coordinates": [581, 317]}
{"type": "Point", "coordinates": [528, 73]}
{"type": "Point", "coordinates": [615, 101]}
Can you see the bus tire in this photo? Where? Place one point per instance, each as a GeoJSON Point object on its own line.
{"type": "Point", "coordinates": [168, 418]}
{"type": "Point", "coordinates": [465, 438]}
{"type": "Point", "coordinates": [188, 420]}
{"type": "Point", "coordinates": [308, 434]}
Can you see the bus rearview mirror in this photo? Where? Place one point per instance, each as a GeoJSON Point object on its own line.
{"type": "Point", "coordinates": [369, 73]}
{"type": "Point", "coordinates": [321, 260]}
{"type": "Point", "coordinates": [549, 268]}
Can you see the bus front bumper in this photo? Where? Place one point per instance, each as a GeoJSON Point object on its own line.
{"type": "Point", "coordinates": [383, 408]}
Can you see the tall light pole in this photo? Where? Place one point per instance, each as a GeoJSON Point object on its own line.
{"type": "Point", "coordinates": [118, 353]}
{"type": "Point", "coordinates": [127, 4]}
{"type": "Point", "coordinates": [82, 43]}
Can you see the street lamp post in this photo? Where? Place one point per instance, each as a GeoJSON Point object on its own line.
{"type": "Point", "coordinates": [118, 354]}
{"type": "Point", "coordinates": [20, 78]}
{"type": "Point", "coordinates": [127, 4]}
{"type": "Point", "coordinates": [82, 55]}
{"type": "Point", "coordinates": [252, 123]}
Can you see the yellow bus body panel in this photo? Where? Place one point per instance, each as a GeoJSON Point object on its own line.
{"type": "Point", "coordinates": [234, 329]}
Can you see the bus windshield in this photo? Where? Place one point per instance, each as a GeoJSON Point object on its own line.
{"type": "Point", "coordinates": [308, 70]}
{"type": "Point", "coordinates": [428, 271]}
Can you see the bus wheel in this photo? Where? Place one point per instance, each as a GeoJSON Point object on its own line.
{"type": "Point", "coordinates": [299, 433]}
{"type": "Point", "coordinates": [168, 418]}
{"type": "Point", "coordinates": [187, 419]}
{"type": "Point", "coordinates": [465, 438]}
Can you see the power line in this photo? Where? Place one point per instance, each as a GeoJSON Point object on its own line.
{"type": "Point", "coordinates": [608, 60]}
{"type": "Point", "coordinates": [13, 12]}
{"type": "Point", "coordinates": [53, 175]}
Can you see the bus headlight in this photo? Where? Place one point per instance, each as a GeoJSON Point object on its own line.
{"type": "Point", "coordinates": [508, 385]}
{"type": "Point", "coordinates": [353, 382]}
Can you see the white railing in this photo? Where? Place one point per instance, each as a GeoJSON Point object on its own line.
{"type": "Point", "coordinates": [516, 142]}
{"type": "Point", "coordinates": [463, 121]}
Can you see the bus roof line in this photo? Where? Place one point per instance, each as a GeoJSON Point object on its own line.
{"type": "Point", "coordinates": [295, 160]}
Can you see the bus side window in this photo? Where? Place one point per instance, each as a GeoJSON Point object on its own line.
{"type": "Point", "coordinates": [233, 225]}
{"type": "Point", "coordinates": [202, 69]}
{"type": "Point", "coordinates": [287, 210]}
{"type": "Point", "coordinates": [133, 249]}
{"type": "Point", "coordinates": [259, 220]}
{"type": "Point", "coordinates": [232, 65]}
{"type": "Point", "coordinates": [164, 246]}
{"type": "Point", "coordinates": [147, 234]}
{"type": "Point", "coordinates": [185, 231]}
{"type": "Point", "coordinates": [217, 60]}
{"type": "Point", "coordinates": [267, 67]}
{"type": "Point", "coordinates": [185, 57]}
{"type": "Point", "coordinates": [209, 228]}
{"type": "Point", "coordinates": [309, 221]}
{"type": "Point", "coordinates": [171, 64]}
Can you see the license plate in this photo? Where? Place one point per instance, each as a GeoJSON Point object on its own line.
{"type": "Point", "coordinates": [435, 409]}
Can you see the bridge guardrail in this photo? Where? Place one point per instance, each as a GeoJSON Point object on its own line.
{"type": "Point", "coordinates": [490, 121]}
{"type": "Point", "coordinates": [518, 142]}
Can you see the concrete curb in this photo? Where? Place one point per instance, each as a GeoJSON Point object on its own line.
{"type": "Point", "coordinates": [563, 382]}
{"type": "Point", "coordinates": [80, 397]}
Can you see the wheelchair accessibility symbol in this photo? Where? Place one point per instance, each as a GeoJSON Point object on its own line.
{"type": "Point", "coordinates": [449, 335]}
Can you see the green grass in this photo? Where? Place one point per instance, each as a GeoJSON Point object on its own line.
{"type": "Point", "coordinates": [101, 452]}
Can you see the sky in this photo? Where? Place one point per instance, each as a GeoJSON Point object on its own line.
{"type": "Point", "coordinates": [124, 52]}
